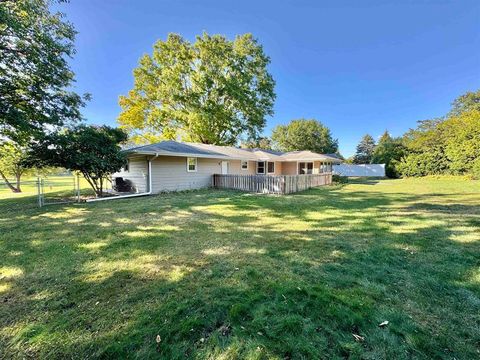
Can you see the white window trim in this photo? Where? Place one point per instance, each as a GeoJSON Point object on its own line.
{"type": "Point", "coordinates": [241, 167]}
{"type": "Point", "coordinates": [266, 163]}
{"type": "Point", "coordinates": [264, 167]}
{"type": "Point", "coordinates": [306, 162]}
{"type": "Point", "coordinates": [196, 164]}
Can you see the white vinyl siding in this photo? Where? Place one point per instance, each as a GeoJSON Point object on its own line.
{"type": "Point", "coordinates": [169, 173]}
{"type": "Point", "coordinates": [137, 173]}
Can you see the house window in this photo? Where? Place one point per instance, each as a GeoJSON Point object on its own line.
{"type": "Point", "coordinates": [191, 164]}
{"type": "Point", "coordinates": [244, 165]}
{"type": "Point", "coordinates": [270, 167]}
{"type": "Point", "coordinates": [261, 167]}
{"type": "Point", "coordinates": [305, 168]}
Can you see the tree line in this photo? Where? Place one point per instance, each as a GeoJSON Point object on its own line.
{"type": "Point", "coordinates": [449, 145]}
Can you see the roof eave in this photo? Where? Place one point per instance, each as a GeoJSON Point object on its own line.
{"type": "Point", "coordinates": [168, 153]}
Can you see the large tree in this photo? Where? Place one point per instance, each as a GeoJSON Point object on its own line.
{"type": "Point", "coordinates": [93, 151]}
{"type": "Point", "coordinates": [462, 141]}
{"type": "Point", "coordinates": [388, 151]}
{"type": "Point", "coordinates": [365, 149]}
{"type": "Point", "coordinates": [211, 91]}
{"type": "Point", "coordinates": [35, 78]}
{"type": "Point", "coordinates": [448, 145]}
{"type": "Point", "coordinates": [304, 134]}
{"type": "Point", "coordinates": [12, 157]}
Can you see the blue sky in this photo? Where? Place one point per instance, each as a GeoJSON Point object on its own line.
{"type": "Point", "coordinates": [357, 66]}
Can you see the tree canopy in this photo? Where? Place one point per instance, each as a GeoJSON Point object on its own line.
{"type": "Point", "coordinates": [388, 151]}
{"type": "Point", "coordinates": [365, 149]}
{"type": "Point", "coordinates": [304, 134]}
{"type": "Point", "coordinates": [93, 151]}
{"type": "Point", "coordinates": [211, 91]}
{"type": "Point", "coordinates": [262, 142]}
{"type": "Point", "coordinates": [449, 145]}
{"type": "Point", "coordinates": [12, 157]}
{"type": "Point", "coordinates": [466, 102]}
{"type": "Point", "coordinates": [35, 78]}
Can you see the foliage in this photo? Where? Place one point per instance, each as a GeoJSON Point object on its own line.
{"type": "Point", "coordinates": [349, 160]}
{"type": "Point", "coordinates": [466, 102]}
{"type": "Point", "coordinates": [12, 157]}
{"type": "Point", "coordinates": [338, 179]}
{"type": "Point", "coordinates": [224, 275]}
{"type": "Point", "coordinates": [260, 143]}
{"type": "Point", "coordinates": [425, 150]}
{"type": "Point", "coordinates": [462, 141]}
{"type": "Point", "coordinates": [448, 145]}
{"type": "Point", "coordinates": [213, 90]}
{"type": "Point", "coordinates": [365, 149]}
{"type": "Point", "coordinates": [35, 77]}
{"type": "Point", "coordinates": [452, 147]}
{"type": "Point", "coordinates": [93, 151]}
{"type": "Point", "coordinates": [304, 134]}
{"type": "Point", "coordinates": [388, 151]}
{"type": "Point", "coordinates": [476, 169]}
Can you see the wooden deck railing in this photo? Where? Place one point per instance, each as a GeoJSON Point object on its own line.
{"type": "Point", "coordinates": [271, 184]}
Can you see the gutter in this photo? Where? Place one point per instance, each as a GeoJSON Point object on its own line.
{"type": "Point", "coordinates": [149, 192]}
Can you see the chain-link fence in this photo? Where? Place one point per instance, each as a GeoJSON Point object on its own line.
{"type": "Point", "coordinates": [44, 191]}
{"type": "Point", "coordinates": [58, 191]}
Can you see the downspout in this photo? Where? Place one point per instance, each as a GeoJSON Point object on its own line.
{"type": "Point", "coordinates": [150, 186]}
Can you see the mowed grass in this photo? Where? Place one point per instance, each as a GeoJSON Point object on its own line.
{"type": "Point", "coordinates": [227, 275]}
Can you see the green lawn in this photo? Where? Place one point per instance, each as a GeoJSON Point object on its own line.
{"type": "Point", "coordinates": [226, 275]}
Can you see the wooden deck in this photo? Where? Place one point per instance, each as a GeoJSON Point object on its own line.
{"type": "Point", "coordinates": [271, 184]}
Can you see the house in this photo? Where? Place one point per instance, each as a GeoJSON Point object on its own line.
{"type": "Point", "coordinates": [172, 165]}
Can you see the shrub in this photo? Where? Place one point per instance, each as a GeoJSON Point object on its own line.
{"type": "Point", "coordinates": [337, 179]}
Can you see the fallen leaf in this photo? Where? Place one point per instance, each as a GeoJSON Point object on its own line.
{"type": "Point", "coordinates": [383, 324]}
{"type": "Point", "coordinates": [158, 339]}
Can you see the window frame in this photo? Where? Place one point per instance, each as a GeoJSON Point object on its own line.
{"type": "Point", "coordinates": [306, 165]}
{"type": "Point", "coordinates": [268, 163]}
{"type": "Point", "coordinates": [264, 169]}
{"type": "Point", "coordinates": [241, 165]}
{"type": "Point", "coordinates": [188, 164]}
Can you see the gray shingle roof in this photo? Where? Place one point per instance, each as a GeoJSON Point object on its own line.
{"type": "Point", "coordinates": [175, 148]}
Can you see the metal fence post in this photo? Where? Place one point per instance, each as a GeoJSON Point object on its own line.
{"type": "Point", "coordinates": [78, 187]}
{"type": "Point", "coordinates": [39, 192]}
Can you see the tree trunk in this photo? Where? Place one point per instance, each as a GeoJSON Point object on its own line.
{"type": "Point", "coordinates": [92, 183]}
{"type": "Point", "coordinates": [18, 182]}
{"type": "Point", "coordinates": [9, 184]}
{"type": "Point", "coordinates": [101, 187]}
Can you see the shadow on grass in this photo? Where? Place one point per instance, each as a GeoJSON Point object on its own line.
{"type": "Point", "coordinates": [218, 273]}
